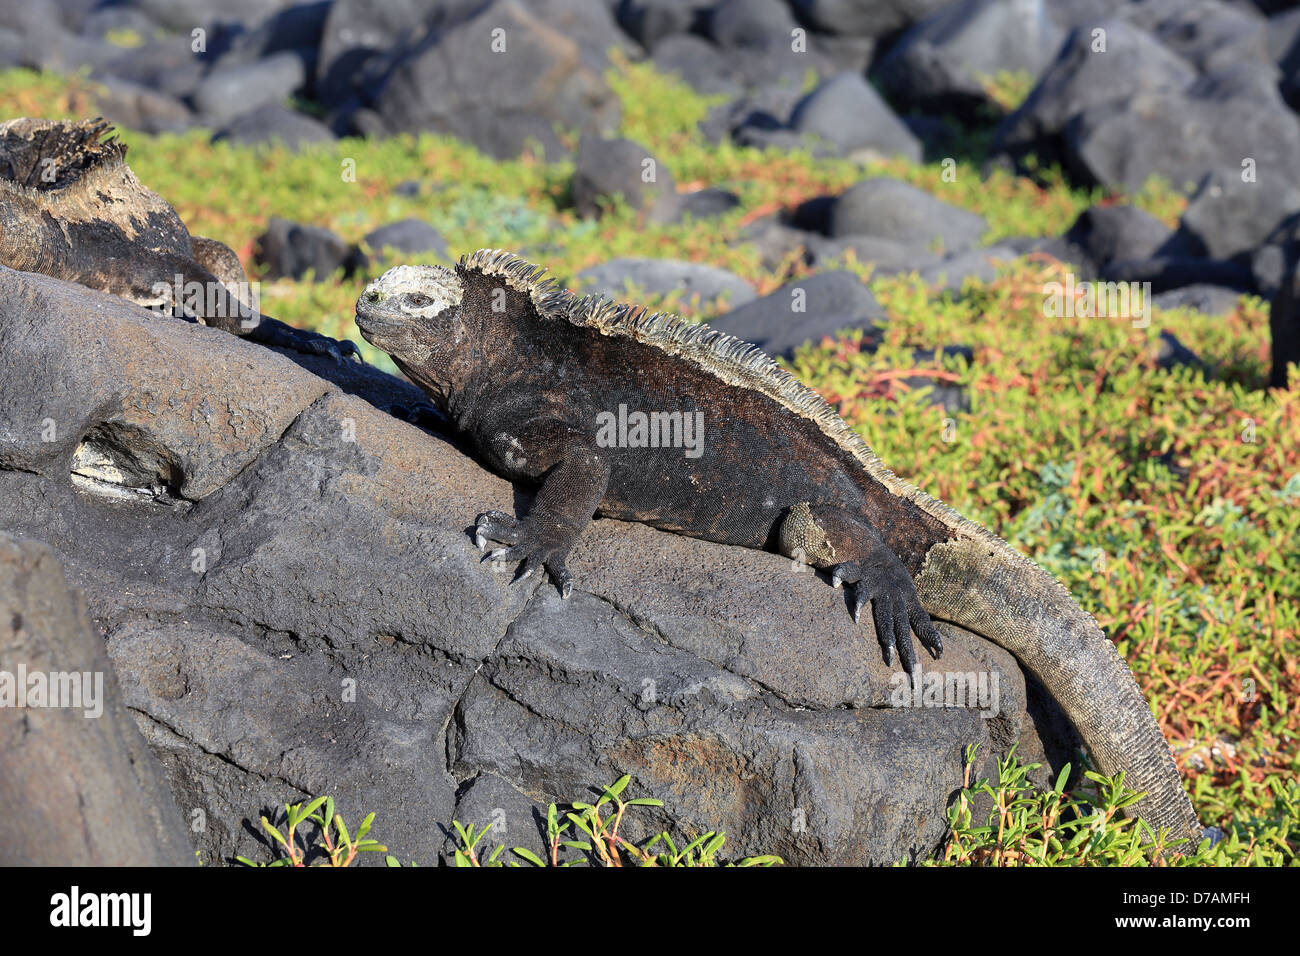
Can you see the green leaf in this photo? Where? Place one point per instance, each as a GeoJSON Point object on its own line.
{"type": "Point", "coordinates": [527, 855]}
{"type": "Point", "coordinates": [365, 825]}
{"type": "Point", "coordinates": [300, 813]}
{"type": "Point", "coordinates": [1061, 778]}
{"type": "Point", "coordinates": [577, 822]}
{"type": "Point", "coordinates": [275, 834]}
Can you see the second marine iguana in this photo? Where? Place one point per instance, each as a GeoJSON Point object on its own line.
{"type": "Point", "coordinates": [71, 208]}
{"type": "Point", "coordinates": [532, 377]}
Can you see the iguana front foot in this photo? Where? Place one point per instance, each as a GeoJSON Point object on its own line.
{"type": "Point", "coordinates": [274, 332]}
{"type": "Point", "coordinates": [495, 526]}
{"type": "Point", "coordinates": [534, 544]}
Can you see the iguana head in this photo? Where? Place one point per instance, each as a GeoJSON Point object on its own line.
{"type": "Point", "coordinates": [412, 313]}
{"type": "Point", "coordinates": [406, 299]}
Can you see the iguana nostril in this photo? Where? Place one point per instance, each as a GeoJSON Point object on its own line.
{"type": "Point", "coordinates": [372, 295]}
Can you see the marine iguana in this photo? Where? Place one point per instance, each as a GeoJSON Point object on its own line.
{"type": "Point", "coordinates": [71, 208]}
{"type": "Point", "coordinates": [530, 375]}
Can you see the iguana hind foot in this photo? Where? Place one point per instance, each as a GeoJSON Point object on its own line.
{"type": "Point", "coordinates": [848, 547]}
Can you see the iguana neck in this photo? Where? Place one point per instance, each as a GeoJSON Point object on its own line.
{"type": "Point", "coordinates": [450, 384]}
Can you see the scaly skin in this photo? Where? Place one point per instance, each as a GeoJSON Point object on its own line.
{"type": "Point", "coordinates": [532, 378]}
{"type": "Point", "coordinates": [71, 208]}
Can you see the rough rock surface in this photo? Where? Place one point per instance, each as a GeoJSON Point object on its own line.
{"type": "Point", "coordinates": [294, 249]}
{"type": "Point", "coordinates": [499, 98]}
{"type": "Point", "coordinates": [897, 210]}
{"type": "Point", "coordinates": [849, 115]}
{"type": "Point", "coordinates": [802, 311]}
{"type": "Point", "coordinates": [653, 276]}
{"type": "Point", "coordinates": [283, 577]}
{"type": "Point", "coordinates": [941, 62]}
{"type": "Point", "coordinates": [609, 168]}
{"type": "Point", "coordinates": [79, 787]}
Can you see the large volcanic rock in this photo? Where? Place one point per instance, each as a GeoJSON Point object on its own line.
{"type": "Point", "coordinates": [283, 577]}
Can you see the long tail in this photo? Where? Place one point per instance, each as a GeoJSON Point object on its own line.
{"type": "Point", "coordinates": [985, 587]}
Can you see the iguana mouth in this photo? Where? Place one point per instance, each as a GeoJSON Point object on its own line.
{"type": "Point", "coordinates": [369, 322]}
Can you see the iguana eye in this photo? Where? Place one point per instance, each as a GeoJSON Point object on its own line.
{"type": "Point", "coordinates": [417, 300]}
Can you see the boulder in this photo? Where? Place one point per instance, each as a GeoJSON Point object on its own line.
{"type": "Point", "coordinates": [592, 25]}
{"type": "Point", "coordinates": [298, 28]}
{"type": "Point", "coordinates": [292, 250]}
{"type": "Point", "coordinates": [1283, 38]}
{"type": "Point", "coordinates": [1200, 297]}
{"type": "Point", "coordinates": [759, 26]}
{"type": "Point", "coordinates": [1058, 248]}
{"type": "Point", "coordinates": [707, 202]}
{"type": "Point", "coordinates": [778, 244]}
{"type": "Point", "coordinates": [886, 257]}
{"type": "Point", "coordinates": [1221, 122]}
{"type": "Point", "coordinates": [1284, 324]}
{"type": "Point", "coordinates": [501, 80]}
{"type": "Point", "coordinates": [803, 311]}
{"type": "Point", "coordinates": [141, 108]}
{"type": "Point", "coordinates": [409, 237]}
{"type": "Point", "coordinates": [286, 588]}
{"type": "Point", "coordinates": [80, 787]}
{"type": "Point", "coordinates": [1118, 107]}
{"type": "Point", "coordinates": [1171, 353]}
{"type": "Point", "coordinates": [698, 63]}
{"type": "Point", "coordinates": [896, 210]}
{"type": "Point", "coordinates": [226, 93]}
{"type": "Point", "coordinates": [942, 63]}
{"type": "Point", "coordinates": [650, 21]}
{"type": "Point", "coordinates": [272, 125]}
{"type": "Point", "coordinates": [619, 278]}
{"type": "Point", "coordinates": [362, 39]}
{"type": "Point", "coordinates": [1166, 272]}
{"type": "Point", "coordinates": [183, 15]}
{"type": "Point", "coordinates": [979, 264]}
{"type": "Point", "coordinates": [867, 18]}
{"type": "Point", "coordinates": [1085, 78]}
{"type": "Point", "coordinates": [1208, 34]}
{"type": "Point", "coordinates": [1229, 215]}
{"type": "Point", "coordinates": [165, 65]}
{"type": "Point", "coordinates": [1107, 233]}
{"type": "Point", "coordinates": [849, 115]}
{"type": "Point", "coordinates": [606, 168]}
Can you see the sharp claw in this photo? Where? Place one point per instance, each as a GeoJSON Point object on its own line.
{"type": "Point", "coordinates": [524, 575]}
{"type": "Point", "coordinates": [566, 589]}
{"type": "Point", "coordinates": [889, 655]}
{"type": "Point", "coordinates": [493, 555]}
{"type": "Point", "coordinates": [480, 542]}
{"type": "Point", "coordinates": [836, 581]}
